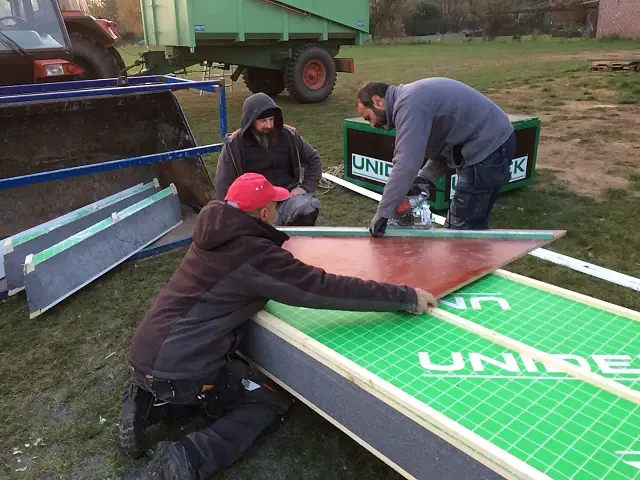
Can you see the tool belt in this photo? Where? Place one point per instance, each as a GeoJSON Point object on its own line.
{"type": "Point", "coordinates": [214, 393]}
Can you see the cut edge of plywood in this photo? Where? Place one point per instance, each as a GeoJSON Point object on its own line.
{"type": "Point", "coordinates": [571, 295]}
{"type": "Point", "coordinates": [594, 379]}
{"type": "Point", "coordinates": [331, 420]}
{"type": "Point", "coordinates": [467, 441]}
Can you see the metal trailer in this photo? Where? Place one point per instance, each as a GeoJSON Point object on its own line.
{"type": "Point", "coordinates": [275, 45]}
{"type": "Point", "coordinates": [86, 149]}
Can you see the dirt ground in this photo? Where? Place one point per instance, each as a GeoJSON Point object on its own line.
{"type": "Point", "coordinates": [599, 155]}
{"type": "Point", "coordinates": [593, 145]}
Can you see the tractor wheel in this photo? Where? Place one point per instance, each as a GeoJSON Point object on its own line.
{"type": "Point", "coordinates": [310, 74]}
{"type": "Point", "coordinates": [263, 80]}
{"type": "Point", "coordinates": [96, 60]}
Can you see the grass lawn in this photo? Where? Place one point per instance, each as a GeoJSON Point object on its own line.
{"type": "Point", "coordinates": [62, 373]}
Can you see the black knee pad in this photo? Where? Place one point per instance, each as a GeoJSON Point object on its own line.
{"type": "Point", "coordinates": [307, 220]}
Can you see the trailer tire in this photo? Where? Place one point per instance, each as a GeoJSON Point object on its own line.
{"type": "Point", "coordinates": [96, 60]}
{"type": "Point", "coordinates": [310, 74]}
{"type": "Point", "coordinates": [263, 80]}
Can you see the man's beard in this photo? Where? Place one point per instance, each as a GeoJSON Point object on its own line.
{"type": "Point", "coordinates": [266, 137]}
{"type": "Point", "coordinates": [381, 118]}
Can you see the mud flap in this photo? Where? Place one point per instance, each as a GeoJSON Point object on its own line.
{"type": "Point", "coordinates": [40, 137]}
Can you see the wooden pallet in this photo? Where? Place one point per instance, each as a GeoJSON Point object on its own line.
{"type": "Point", "coordinates": [615, 66]}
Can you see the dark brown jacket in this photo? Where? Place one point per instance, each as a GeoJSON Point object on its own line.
{"type": "Point", "coordinates": [235, 265]}
{"type": "Point", "coordinates": [306, 163]}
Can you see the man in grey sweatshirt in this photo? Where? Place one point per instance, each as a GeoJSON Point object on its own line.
{"type": "Point", "coordinates": [449, 124]}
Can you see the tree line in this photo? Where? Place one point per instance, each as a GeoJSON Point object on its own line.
{"type": "Point", "coordinates": [394, 18]}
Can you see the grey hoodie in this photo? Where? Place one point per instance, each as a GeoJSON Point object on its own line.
{"type": "Point", "coordinates": [431, 117]}
{"type": "Point", "coordinates": [232, 164]}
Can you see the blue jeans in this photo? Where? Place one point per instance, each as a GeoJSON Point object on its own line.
{"type": "Point", "coordinates": [478, 187]}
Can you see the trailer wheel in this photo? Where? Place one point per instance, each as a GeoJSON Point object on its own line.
{"type": "Point", "coordinates": [310, 74]}
{"type": "Point", "coordinates": [263, 80]}
{"type": "Point", "coordinates": [96, 60]}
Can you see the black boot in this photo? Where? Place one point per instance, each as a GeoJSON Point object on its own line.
{"type": "Point", "coordinates": [134, 419]}
{"type": "Point", "coordinates": [172, 463]}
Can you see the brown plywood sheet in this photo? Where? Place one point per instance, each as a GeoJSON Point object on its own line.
{"type": "Point", "coordinates": [438, 265]}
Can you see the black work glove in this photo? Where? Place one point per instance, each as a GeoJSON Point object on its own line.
{"type": "Point", "coordinates": [420, 185]}
{"type": "Point", "coordinates": [378, 226]}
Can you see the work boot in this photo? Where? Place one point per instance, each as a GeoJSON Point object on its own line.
{"type": "Point", "coordinates": [136, 405]}
{"type": "Point", "coordinates": [172, 463]}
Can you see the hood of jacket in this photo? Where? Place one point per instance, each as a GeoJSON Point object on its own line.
{"type": "Point", "coordinates": [254, 106]}
{"type": "Point", "coordinates": [219, 223]}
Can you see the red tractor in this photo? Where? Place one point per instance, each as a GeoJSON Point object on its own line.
{"type": "Point", "coordinates": [40, 43]}
{"type": "Point", "coordinates": [92, 41]}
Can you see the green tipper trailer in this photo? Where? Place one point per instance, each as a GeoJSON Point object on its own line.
{"type": "Point", "coordinates": [289, 44]}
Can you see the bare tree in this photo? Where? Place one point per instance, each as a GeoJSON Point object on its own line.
{"type": "Point", "coordinates": [492, 14]}
{"type": "Point", "coordinates": [453, 13]}
{"type": "Point", "coordinates": [386, 17]}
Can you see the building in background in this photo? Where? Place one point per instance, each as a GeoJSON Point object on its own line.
{"type": "Point", "coordinates": [619, 17]}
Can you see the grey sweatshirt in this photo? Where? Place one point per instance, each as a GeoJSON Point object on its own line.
{"type": "Point", "coordinates": [431, 116]}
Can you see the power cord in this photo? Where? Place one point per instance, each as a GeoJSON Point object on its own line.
{"type": "Point", "coordinates": [327, 185]}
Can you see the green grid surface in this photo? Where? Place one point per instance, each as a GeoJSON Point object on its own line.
{"type": "Point", "coordinates": [553, 324]}
{"type": "Point", "coordinates": [562, 426]}
{"type": "Point", "coordinates": [98, 227]}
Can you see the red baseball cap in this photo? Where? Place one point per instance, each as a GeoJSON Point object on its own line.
{"type": "Point", "coordinates": [252, 191]}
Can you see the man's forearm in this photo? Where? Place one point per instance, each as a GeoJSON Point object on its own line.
{"type": "Point", "coordinates": [413, 126]}
{"type": "Point", "coordinates": [402, 176]}
{"type": "Point", "coordinates": [312, 287]}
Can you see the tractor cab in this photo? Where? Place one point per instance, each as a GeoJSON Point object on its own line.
{"type": "Point", "coordinates": [34, 44]}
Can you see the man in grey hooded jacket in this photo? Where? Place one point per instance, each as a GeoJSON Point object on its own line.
{"type": "Point", "coordinates": [452, 125]}
{"type": "Point", "coordinates": [264, 144]}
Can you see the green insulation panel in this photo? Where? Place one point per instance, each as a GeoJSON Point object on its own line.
{"type": "Point", "coordinates": [556, 424]}
{"type": "Point", "coordinates": [185, 23]}
{"type": "Point", "coordinates": [368, 153]}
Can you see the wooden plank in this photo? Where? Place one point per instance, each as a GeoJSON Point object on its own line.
{"type": "Point", "coordinates": [598, 381]}
{"type": "Point", "coordinates": [472, 444]}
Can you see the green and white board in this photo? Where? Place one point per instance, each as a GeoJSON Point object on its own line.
{"type": "Point", "coordinates": [519, 416]}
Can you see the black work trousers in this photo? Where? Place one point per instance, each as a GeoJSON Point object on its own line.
{"type": "Point", "coordinates": [478, 188]}
{"type": "Point", "coordinates": [241, 403]}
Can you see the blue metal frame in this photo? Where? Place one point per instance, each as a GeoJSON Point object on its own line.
{"type": "Point", "coordinates": [69, 90]}
{"type": "Point", "coordinates": [107, 166]}
{"type": "Point", "coordinates": [114, 86]}
{"type": "Point", "coordinates": [76, 85]}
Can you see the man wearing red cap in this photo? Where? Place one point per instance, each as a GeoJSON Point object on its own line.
{"type": "Point", "coordinates": [264, 144]}
{"type": "Point", "coordinates": [183, 352]}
